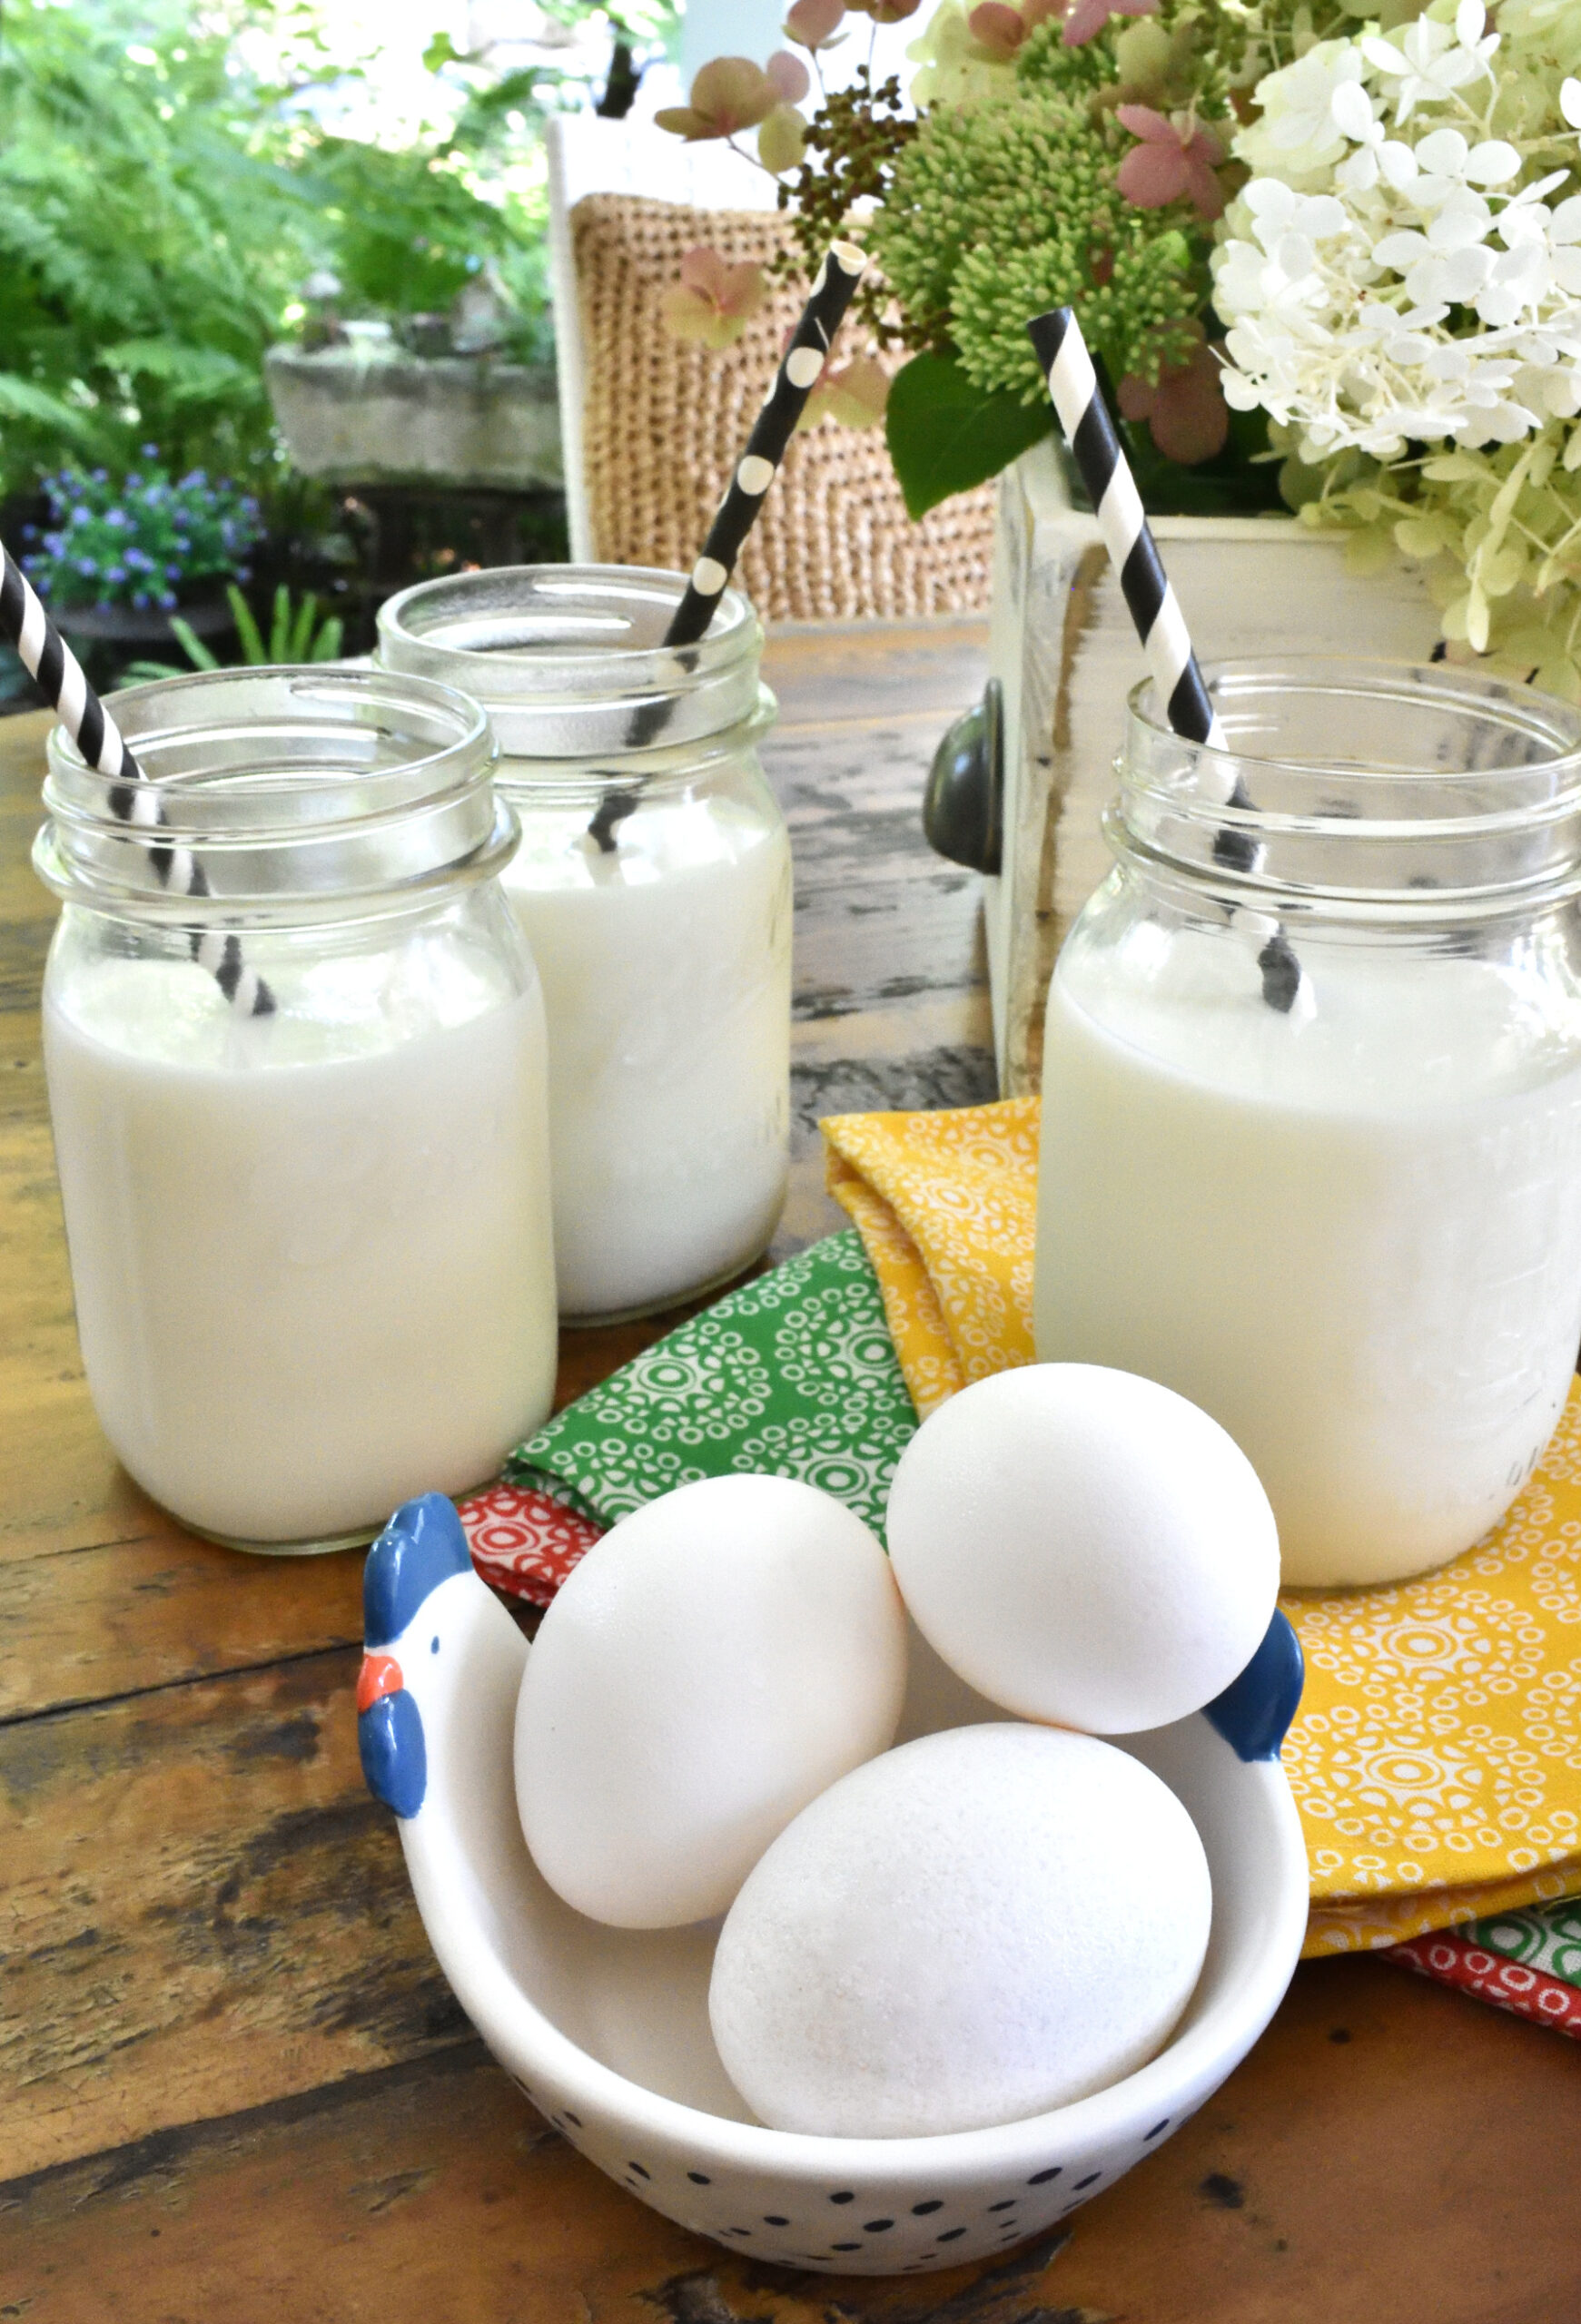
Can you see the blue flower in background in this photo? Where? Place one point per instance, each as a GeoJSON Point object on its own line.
{"type": "Point", "coordinates": [117, 541]}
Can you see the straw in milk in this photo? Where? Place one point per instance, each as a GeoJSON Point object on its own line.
{"type": "Point", "coordinates": [55, 668]}
{"type": "Point", "coordinates": [1155, 610]}
{"type": "Point", "coordinates": [765, 447]}
{"type": "Point", "coordinates": [754, 471]}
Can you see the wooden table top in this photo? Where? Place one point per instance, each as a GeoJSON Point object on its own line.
{"type": "Point", "coordinates": [235, 2085]}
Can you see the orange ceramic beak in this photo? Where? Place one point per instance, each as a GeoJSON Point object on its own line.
{"type": "Point", "coordinates": [380, 1675]}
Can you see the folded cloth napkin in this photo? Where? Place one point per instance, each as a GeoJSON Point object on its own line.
{"type": "Point", "coordinates": [1546, 1938]}
{"type": "Point", "coordinates": [1436, 1755]}
{"type": "Point", "coordinates": [1529, 1962]}
{"type": "Point", "coordinates": [794, 1375]}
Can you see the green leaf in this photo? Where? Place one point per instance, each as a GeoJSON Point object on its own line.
{"type": "Point", "coordinates": [945, 435]}
{"type": "Point", "coordinates": [192, 645]}
{"type": "Point", "coordinates": [246, 628]}
{"type": "Point", "coordinates": [326, 644]}
{"type": "Point", "coordinates": [302, 630]}
{"type": "Point", "coordinates": [20, 400]}
{"type": "Point", "coordinates": [280, 628]}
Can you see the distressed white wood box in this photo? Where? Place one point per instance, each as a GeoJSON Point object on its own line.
{"type": "Point", "coordinates": [1062, 644]}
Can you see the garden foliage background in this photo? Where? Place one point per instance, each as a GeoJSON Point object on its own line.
{"type": "Point", "coordinates": [169, 177]}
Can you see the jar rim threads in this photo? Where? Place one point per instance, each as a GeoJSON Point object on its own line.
{"type": "Point", "coordinates": [569, 661]}
{"type": "Point", "coordinates": [297, 788]}
{"type": "Point", "coordinates": [1328, 815]}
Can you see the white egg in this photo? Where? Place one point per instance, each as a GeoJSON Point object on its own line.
{"type": "Point", "coordinates": [714, 1662]}
{"type": "Point", "coordinates": [976, 1927]}
{"type": "Point", "coordinates": [1084, 1546]}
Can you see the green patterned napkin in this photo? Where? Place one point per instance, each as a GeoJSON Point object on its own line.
{"type": "Point", "coordinates": [1544, 1937]}
{"type": "Point", "coordinates": [794, 1376]}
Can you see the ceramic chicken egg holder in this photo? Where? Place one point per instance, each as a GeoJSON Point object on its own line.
{"type": "Point", "coordinates": [606, 2030]}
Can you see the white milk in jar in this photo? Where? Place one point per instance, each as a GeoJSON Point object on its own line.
{"type": "Point", "coordinates": [654, 885]}
{"type": "Point", "coordinates": [666, 966]}
{"type": "Point", "coordinates": [310, 1249]}
{"type": "Point", "coordinates": [1349, 1228]}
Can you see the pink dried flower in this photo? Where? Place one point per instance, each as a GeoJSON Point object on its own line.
{"type": "Point", "coordinates": [1089, 16]}
{"type": "Point", "coordinates": [729, 94]}
{"type": "Point", "coordinates": [997, 29]}
{"type": "Point", "coordinates": [787, 76]}
{"type": "Point", "coordinates": [1173, 163]}
{"type": "Point", "coordinates": [854, 394]}
{"type": "Point", "coordinates": [816, 23]}
{"type": "Point", "coordinates": [886, 12]}
{"type": "Point", "coordinates": [713, 301]}
{"type": "Point", "coordinates": [1185, 410]}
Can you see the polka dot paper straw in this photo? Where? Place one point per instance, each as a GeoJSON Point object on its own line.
{"type": "Point", "coordinates": [1094, 441]}
{"type": "Point", "coordinates": [765, 447]}
{"type": "Point", "coordinates": [51, 664]}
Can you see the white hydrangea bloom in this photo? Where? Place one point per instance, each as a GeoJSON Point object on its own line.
{"type": "Point", "coordinates": [1383, 277]}
{"type": "Point", "coordinates": [1296, 136]}
{"type": "Point", "coordinates": [1432, 59]}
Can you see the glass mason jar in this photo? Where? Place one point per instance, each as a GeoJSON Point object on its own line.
{"type": "Point", "coordinates": [310, 1249]}
{"type": "Point", "coordinates": [654, 883]}
{"type": "Point", "coordinates": [1311, 1113]}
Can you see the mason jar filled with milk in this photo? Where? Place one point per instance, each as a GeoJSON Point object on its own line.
{"type": "Point", "coordinates": [1312, 1110]}
{"type": "Point", "coordinates": [301, 1114]}
{"type": "Point", "coordinates": [654, 883]}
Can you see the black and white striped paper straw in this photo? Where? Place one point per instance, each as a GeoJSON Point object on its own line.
{"type": "Point", "coordinates": [1094, 442]}
{"type": "Point", "coordinates": [58, 675]}
{"type": "Point", "coordinates": [765, 447]}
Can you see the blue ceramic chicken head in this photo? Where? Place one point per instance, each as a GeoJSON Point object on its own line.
{"type": "Point", "coordinates": [408, 1606]}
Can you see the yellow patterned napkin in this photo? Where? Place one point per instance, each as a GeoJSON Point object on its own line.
{"type": "Point", "coordinates": [1436, 1755]}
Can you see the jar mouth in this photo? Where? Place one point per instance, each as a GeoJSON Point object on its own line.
{"type": "Point", "coordinates": [287, 784]}
{"type": "Point", "coordinates": [1415, 786]}
{"type": "Point", "coordinates": [570, 660]}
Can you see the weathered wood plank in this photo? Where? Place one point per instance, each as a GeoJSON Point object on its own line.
{"type": "Point", "coordinates": [1389, 2150]}
{"type": "Point", "coordinates": [204, 1910]}
{"type": "Point", "coordinates": [823, 670]}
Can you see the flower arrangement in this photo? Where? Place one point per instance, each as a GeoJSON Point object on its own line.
{"type": "Point", "coordinates": [1328, 251]}
{"type": "Point", "coordinates": [140, 541]}
{"type": "Point", "coordinates": [1403, 296]}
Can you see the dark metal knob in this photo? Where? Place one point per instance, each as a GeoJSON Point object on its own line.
{"type": "Point", "coordinates": [964, 806]}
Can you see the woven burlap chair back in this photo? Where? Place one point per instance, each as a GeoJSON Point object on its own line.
{"type": "Point", "coordinates": [664, 420]}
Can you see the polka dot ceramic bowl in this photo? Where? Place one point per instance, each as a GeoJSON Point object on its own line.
{"type": "Point", "coordinates": [606, 2030]}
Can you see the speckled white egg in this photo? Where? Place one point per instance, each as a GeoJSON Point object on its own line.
{"type": "Point", "coordinates": [715, 1661]}
{"type": "Point", "coordinates": [1084, 1546]}
{"type": "Point", "coordinates": [976, 1927]}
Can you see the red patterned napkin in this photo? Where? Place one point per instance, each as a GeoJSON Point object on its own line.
{"type": "Point", "coordinates": [1454, 1957]}
{"type": "Point", "coordinates": [524, 1539]}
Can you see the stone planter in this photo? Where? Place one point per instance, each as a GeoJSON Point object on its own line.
{"type": "Point", "coordinates": [455, 421]}
{"type": "Point", "coordinates": [1064, 654]}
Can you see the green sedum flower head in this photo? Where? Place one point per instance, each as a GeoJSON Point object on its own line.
{"type": "Point", "coordinates": [1002, 209]}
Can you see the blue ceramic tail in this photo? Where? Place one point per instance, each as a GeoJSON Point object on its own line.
{"type": "Point", "coordinates": [1254, 1712]}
